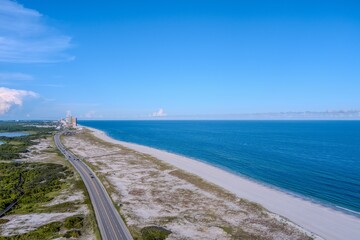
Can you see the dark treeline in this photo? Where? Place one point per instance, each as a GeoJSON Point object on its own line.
{"type": "Point", "coordinates": [10, 126]}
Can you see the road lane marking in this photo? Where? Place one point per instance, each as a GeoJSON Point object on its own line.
{"type": "Point", "coordinates": [92, 182]}
{"type": "Point", "coordinates": [108, 207]}
{"type": "Point", "coordinates": [81, 170]}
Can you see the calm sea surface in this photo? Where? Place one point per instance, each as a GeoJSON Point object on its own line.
{"type": "Point", "coordinates": [319, 160]}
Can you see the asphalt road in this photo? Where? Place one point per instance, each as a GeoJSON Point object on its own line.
{"type": "Point", "coordinates": [111, 226]}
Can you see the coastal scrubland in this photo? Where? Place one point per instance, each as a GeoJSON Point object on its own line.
{"type": "Point", "coordinates": [13, 147]}
{"type": "Point", "coordinates": [159, 201]}
{"type": "Point", "coordinates": [50, 199]}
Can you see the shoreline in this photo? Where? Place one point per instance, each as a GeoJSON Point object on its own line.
{"type": "Point", "coordinates": [313, 218]}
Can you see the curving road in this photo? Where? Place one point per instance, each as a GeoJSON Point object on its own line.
{"type": "Point", "coordinates": [111, 226]}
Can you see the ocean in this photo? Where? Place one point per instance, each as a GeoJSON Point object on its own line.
{"type": "Point", "coordinates": [316, 160]}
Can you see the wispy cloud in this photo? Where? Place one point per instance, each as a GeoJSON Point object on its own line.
{"type": "Point", "coordinates": [16, 76]}
{"type": "Point", "coordinates": [159, 113]}
{"type": "Point", "coordinates": [10, 97]}
{"type": "Point", "coordinates": [92, 115]}
{"type": "Point", "coordinates": [26, 38]}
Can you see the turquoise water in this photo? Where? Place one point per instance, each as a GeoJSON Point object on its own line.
{"type": "Point", "coordinates": [13, 134]}
{"type": "Point", "coordinates": [1, 142]}
{"type": "Point", "coordinates": [318, 160]}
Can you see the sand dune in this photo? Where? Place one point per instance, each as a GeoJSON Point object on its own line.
{"type": "Point", "coordinates": [325, 222]}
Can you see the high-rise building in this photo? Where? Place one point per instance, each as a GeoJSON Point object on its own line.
{"type": "Point", "coordinates": [68, 120]}
{"type": "Point", "coordinates": [73, 121]}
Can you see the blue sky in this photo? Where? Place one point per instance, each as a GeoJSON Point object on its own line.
{"type": "Point", "coordinates": [170, 59]}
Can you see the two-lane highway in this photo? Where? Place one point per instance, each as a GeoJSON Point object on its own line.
{"type": "Point", "coordinates": [111, 226]}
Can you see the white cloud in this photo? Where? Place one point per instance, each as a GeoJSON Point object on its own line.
{"type": "Point", "coordinates": [26, 38]}
{"type": "Point", "coordinates": [10, 97]}
{"type": "Point", "coordinates": [159, 113]}
{"type": "Point", "coordinates": [92, 115]}
{"type": "Point", "coordinates": [15, 76]}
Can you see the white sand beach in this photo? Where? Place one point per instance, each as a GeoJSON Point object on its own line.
{"type": "Point", "coordinates": [324, 222]}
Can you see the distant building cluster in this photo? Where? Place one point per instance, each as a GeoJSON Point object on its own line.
{"type": "Point", "coordinates": [69, 121]}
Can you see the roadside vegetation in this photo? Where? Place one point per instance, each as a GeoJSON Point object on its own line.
{"type": "Point", "coordinates": [154, 233]}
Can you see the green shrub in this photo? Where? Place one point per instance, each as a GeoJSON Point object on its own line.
{"type": "Point", "coordinates": [72, 234]}
{"type": "Point", "coordinates": [154, 233]}
{"type": "Point", "coordinates": [3, 220]}
{"type": "Point", "coordinates": [74, 222]}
